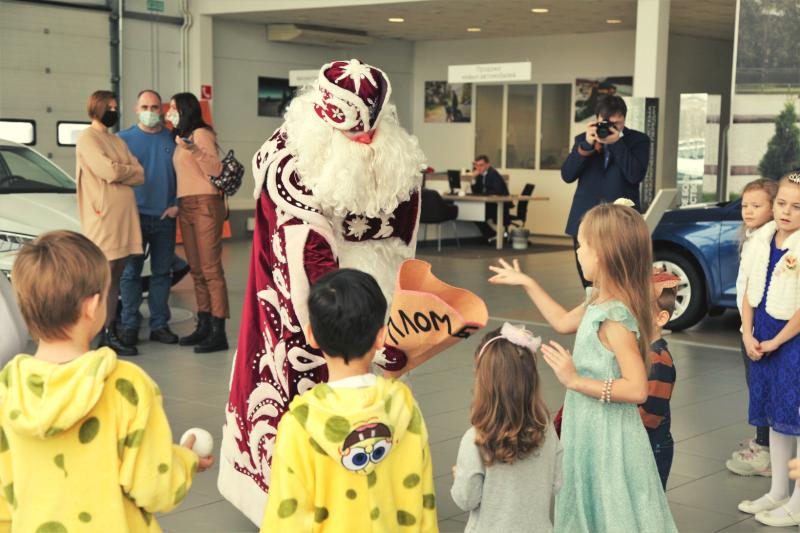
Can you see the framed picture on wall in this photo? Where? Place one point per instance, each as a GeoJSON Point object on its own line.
{"type": "Point", "coordinates": [588, 91]}
{"type": "Point", "coordinates": [274, 95]}
{"type": "Point", "coordinates": [448, 102]}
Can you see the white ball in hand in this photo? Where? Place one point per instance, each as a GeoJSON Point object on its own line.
{"type": "Point", "coordinates": [203, 443]}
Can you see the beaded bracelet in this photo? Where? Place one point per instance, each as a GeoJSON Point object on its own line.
{"type": "Point", "coordinates": [605, 396]}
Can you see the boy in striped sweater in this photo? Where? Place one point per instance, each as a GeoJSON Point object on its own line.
{"type": "Point", "coordinates": [655, 410]}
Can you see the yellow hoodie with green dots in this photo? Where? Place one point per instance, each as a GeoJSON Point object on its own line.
{"type": "Point", "coordinates": [85, 447]}
{"type": "Point", "coordinates": [352, 460]}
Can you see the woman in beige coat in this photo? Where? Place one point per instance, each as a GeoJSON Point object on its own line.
{"type": "Point", "coordinates": [106, 175]}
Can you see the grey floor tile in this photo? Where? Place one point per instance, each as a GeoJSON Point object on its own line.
{"type": "Point", "coordinates": [451, 526]}
{"type": "Point", "coordinates": [709, 404]}
{"type": "Point", "coordinates": [445, 506]}
{"type": "Point", "coordinates": [215, 517]}
{"type": "Point", "coordinates": [749, 525]}
{"type": "Point", "coordinates": [444, 456]}
{"type": "Point", "coordinates": [692, 520]}
{"type": "Point", "coordinates": [719, 493]}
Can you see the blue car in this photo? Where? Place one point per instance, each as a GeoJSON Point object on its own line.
{"type": "Point", "coordinates": [701, 246]}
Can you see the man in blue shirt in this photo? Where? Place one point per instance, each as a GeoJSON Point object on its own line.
{"type": "Point", "coordinates": [153, 146]}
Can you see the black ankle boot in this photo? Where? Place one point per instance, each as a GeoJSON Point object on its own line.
{"type": "Point", "coordinates": [217, 340]}
{"type": "Point", "coordinates": [201, 331]}
{"type": "Point", "coordinates": [111, 340]}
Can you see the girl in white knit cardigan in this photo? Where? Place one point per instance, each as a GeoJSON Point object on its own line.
{"type": "Point", "coordinates": [770, 327]}
{"type": "Point", "coordinates": [757, 198]}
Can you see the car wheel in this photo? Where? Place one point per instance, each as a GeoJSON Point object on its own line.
{"type": "Point", "coordinates": [690, 304]}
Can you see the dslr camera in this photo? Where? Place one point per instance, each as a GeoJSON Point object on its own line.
{"type": "Point", "coordinates": [604, 128]}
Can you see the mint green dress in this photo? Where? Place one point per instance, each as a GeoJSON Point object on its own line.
{"type": "Point", "coordinates": [611, 483]}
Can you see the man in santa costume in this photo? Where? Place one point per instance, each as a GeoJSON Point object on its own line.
{"type": "Point", "coordinates": [337, 186]}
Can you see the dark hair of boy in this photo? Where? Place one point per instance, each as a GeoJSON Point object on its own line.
{"type": "Point", "coordinates": [346, 310]}
{"type": "Point", "coordinates": [666, 300]}
{"type": "Point", "coordinates": [611, 105]}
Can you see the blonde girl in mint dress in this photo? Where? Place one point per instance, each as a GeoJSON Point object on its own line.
{"type": "Point", "coordinates": [610, 479]}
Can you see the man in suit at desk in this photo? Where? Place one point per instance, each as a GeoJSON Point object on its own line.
{"type": "Point", "coordinates": [487, 181]}
{"type": "Point", "coordinates": [609, 162]}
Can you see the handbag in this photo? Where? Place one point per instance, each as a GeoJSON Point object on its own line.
{"type": "Point", "coordinates": [230, 179]}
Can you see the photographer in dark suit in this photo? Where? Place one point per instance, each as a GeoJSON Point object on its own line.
{"type": "Point", "coordinates": [609, 161]}
{"type": "Point", "coordinates": [489, 182]}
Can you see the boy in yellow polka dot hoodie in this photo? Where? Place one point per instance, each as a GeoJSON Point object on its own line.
{"type": "Point", "coordinates": [84, 442]}
{"type": "Point", "coordinates": [351, 454]}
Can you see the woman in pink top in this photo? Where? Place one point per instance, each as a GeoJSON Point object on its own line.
{"type": "Point", "coordinates": [201, 212]}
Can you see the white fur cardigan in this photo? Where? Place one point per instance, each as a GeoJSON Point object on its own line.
{"type": "Point", "coordinates": [783, 297]}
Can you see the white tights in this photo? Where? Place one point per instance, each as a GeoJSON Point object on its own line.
{"type": "Point", "coordinates": [782, 448]}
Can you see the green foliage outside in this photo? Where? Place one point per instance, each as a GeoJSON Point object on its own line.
{"type": "Point", "coordinates": [783, 150]}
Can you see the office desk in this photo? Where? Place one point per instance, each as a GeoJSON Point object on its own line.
{"type": "Point", "coordinates": [467, 208]}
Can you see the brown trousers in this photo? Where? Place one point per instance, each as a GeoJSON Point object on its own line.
{"type": "Point", "coordinates": [201, 218]}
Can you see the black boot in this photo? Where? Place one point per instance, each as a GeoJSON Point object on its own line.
{"type": "Point", "coordinates": [201, 331]}
{"type": "Point", "coordinates": [109, 338]}
{"type": "Point", "coordinates": [217, 340]}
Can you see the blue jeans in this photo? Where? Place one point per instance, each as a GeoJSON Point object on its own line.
{"type": "Point", "coordinates": [159, 237]}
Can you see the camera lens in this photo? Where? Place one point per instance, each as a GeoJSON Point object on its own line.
{"type": "Point", "coordinates": [603, 130]}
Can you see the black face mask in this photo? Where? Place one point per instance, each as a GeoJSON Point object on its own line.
{"type": "Point", "coordinates": [110, 118]}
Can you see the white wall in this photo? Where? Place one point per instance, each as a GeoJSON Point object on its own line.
{"type": "Point", "coordinates": [150, 60]}
{"type": "Point", "coordinates": [242, 54]}
{"type": "Point", "coordinates": [555, 59]}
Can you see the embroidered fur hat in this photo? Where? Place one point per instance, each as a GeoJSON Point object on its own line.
{"type": "Point", "coordinates": [351, 95]}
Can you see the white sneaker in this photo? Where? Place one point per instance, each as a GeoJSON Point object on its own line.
{"type": "Point", "coordinates": [750, 462]}
{"type": "Point", "coordinates": [765, 503]}
{"type": "Point", "coordinates": [748, 446]}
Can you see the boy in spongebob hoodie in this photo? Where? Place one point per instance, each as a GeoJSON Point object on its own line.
{"type": "Point", "coordinates": [84, 442]}
{"type": "Point", "coordinates": [351, 454]}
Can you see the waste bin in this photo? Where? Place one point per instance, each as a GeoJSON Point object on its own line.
{"type": "Point", "coordinates": [519, 238]}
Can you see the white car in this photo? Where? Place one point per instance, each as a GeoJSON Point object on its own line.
{"type": "Point", "coordinates": [36, 196]}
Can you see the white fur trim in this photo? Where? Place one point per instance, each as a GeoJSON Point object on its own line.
{"type": "Point", "coordinates": [300, 287]}
{"type": "Point", "coordinates": [267, 153]}
{"type": "Point", "coordinates": [783, 297]}
{"type": "Point", "coordinates": [241, 491]}
{"type": "Point", "coordinates": [381, 259]}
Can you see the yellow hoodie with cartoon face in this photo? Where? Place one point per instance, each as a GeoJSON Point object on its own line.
{"type": "Point", "coordinates": [352, 460]}
{"type": "Point", "coordinates": [86, 447]}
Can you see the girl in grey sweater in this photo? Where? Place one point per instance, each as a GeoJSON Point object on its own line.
{"type": "Point", "coordinates": [509, 462]}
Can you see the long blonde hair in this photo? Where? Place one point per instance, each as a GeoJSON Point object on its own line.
{"type": "Point", "coordinates": [619, 236]}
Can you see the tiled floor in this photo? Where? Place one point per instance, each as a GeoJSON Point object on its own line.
{"type": "Point", "coordinates": [709, 404]}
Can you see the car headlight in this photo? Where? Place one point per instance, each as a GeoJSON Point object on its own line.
{"type": "Point", "coordinates": [10, 242]}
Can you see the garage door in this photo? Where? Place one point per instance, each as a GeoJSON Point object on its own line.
{"type": "Point", "coordinates": [51, 59]}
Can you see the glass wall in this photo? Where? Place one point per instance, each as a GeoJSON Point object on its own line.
{"type": "Point", "coordinates": [521, 127]}
{"type": "Point", "coordinates": [515, 141]}
{"type": "Point", "coordinates": [488, 122]}
{"type": "Point", "coordinates": [556, 141]}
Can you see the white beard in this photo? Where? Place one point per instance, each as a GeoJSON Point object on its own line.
{"type": "Point", "coordinates": [347, 176]}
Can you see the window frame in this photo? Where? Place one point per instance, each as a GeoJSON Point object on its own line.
{"type": "Point", "coordinates": [60, 122]}
{"type": "Point", "coordinates": [24, 120]}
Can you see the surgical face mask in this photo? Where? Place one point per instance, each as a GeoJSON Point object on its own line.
{"type": "Point", "coordinates": [149, 118]}
{"type": "Point", "coordinates": [173, 117]}
{"type": "Point", "coordinates": [110, 117]}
